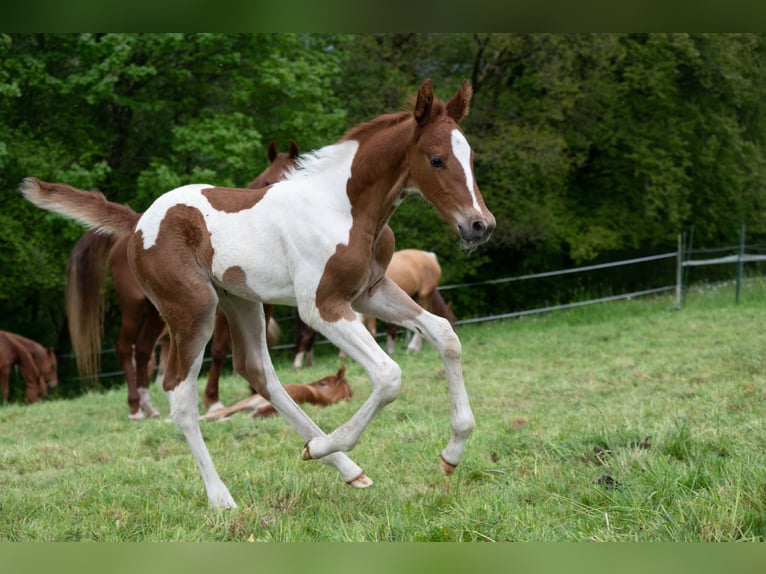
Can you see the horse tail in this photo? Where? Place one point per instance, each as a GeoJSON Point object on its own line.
{"type": "Point", "coordinates": [86, 299]}
{"type": "Point", "coordinates": [90, 208]}
{"type": "Point", "coordinates": [273, 332]}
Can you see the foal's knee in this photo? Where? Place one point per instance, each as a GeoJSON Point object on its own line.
{"type": "Point", "coordinates": [388, 378]}
{"type": "Point", "coordinates": [447, 341]}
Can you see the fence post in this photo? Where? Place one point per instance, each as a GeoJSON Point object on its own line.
{"type": "Point", "coordinates": [679, 271]}
{"type": "Point", "coordinates": [740, 258]}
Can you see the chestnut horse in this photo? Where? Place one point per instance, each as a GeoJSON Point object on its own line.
{"type": "Point", "coordinates": [13, 352]}
{"type": "Point", "coordinates": [140, 324]}
{"type": "Point", "coordinates": [318, 240]}
{"type": "Point", "coordinates": [326, 391]}
{"type": "Point", "coordinates": [418, 273]}
{"type": "Point", "coordinates": [45, 360]}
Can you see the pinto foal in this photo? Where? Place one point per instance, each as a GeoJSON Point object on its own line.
{"type": "Point", "coordinates": [318, 240]}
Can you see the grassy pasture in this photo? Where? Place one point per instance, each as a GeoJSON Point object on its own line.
{"type": "Point", "coordinates": [620, 421]}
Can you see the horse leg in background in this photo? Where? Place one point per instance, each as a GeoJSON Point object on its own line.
{"type": "Point", "coordinates": [133, 305]}
{"type": "Point", "coordinates": [162, 365]}
{"type": "Point", "coordinates": [5, 378]}
{"type": "Point", "coordinates": [390, 338]}
{"type": "Point", "coordinates": [304, 344]}
{"type": "Point", "coordinates": [252, 361]}
{"type": "Point", "coordinates": [393, 305]}
{"type": "Point", "coordinates": [143, 352]}
{"type": "Point", "coordinates": [219, 349]}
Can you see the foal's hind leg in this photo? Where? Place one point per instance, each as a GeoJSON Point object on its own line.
{"type": "Point", "coordinates": [252, 361]}
{"type": "Point", "coordinates": [190, 317]}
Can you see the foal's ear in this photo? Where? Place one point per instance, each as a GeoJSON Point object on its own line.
{"type": "Point", "coordinates": [272, 151]}
{"type": "Point", "coordinates": [457, 107]}
{"type": "Point", "coordinates": [341, 372]}
{"type": "Point", "coordinates": [294, 151]}
{"type": "Point", "coordinates": [423, 102]}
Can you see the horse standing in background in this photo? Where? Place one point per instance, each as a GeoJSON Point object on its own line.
{"type": "Point", "coordinates": [13, 352]}
{"type": "Point", "coordinates": [318, 240]}
{"type": "Point", "coordinates": [140, 323]}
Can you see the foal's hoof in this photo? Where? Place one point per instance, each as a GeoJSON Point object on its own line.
{"type": "Point", "coordinates": [361, 481]}
{"type": "Point", "coordinates": [447, 467]}
{"type": "Point", "coordinates": [136, 416]}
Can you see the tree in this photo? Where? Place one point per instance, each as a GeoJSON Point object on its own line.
{"type": "Point", "coordinates": [134, 115]}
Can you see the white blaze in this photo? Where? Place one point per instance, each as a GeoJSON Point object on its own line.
{"type": "Point", "coordinates": [462, 152]}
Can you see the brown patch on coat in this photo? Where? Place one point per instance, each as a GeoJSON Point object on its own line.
{"type": "Point", "coordinates": [362, 263]}
{"type": "Point", "coordinates": [175, 273]}
{"type": "Point", "coordinates": [233, 199]}
{"type": "Point", "coordinates": [236, 278]}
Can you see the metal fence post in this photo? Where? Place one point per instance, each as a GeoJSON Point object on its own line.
{"type": "Point", "coordinates": [679, 271]}
{"type": "Point", "coordinates": [740, 257]}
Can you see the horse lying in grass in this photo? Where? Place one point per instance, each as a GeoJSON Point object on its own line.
{"type": "Point", "coordinates": [326, 391]}
{"type": "Point", "coordinates": [140, 324]}
{"type": "Point", "coordinates": [318, 240]}
{"type": "Point", "coordinates": [14, 353]}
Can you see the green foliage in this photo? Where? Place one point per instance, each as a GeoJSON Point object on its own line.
{"type": "Point", "coordinates": [587, 146]}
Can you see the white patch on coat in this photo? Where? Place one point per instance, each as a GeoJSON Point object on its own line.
{"type": "Point", "coordinates": [150, 221]}
{"type": "Point", "coordinates": [298, 224]}
{"type": "Point", "coordinates": [462, 151]}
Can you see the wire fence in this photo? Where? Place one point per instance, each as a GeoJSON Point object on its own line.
{"type": "Point", "coordinates": [685, 256]}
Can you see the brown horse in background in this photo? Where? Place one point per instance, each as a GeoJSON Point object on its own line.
{"type": "Point", "coordinates": [326, 391]}
{"type": "Point", "coordinates": [45, 360]}
{"type": "Point", "coordinates": [418, 273]}
{"type": "Point", "coordinates": [13, 352]}
{"type": "Point", "coordinates": [140, 324]}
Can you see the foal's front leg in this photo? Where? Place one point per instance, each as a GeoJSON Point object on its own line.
{"type": "Point", "coordinates": [392, 304]}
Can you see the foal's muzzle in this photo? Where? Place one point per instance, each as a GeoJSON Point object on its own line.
{"type": "Point", "coordinates": [477, 231]}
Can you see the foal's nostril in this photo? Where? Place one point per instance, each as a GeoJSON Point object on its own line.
{"type": "Point", "coordinates": [479, 228]}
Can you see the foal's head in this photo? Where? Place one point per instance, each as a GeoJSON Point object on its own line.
{"type": "Point", "coordinates": [334, 388]}
{"type": "Point", "coordinates": [441, 164]}
{"type": "Point", "coordinates": [280, 163]}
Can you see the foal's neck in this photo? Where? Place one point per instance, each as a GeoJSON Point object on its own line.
{"type": "Point", "coordinates": [380, 168]}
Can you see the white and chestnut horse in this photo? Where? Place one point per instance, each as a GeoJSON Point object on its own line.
{"type": "Point", "coordinates": [318, 240]}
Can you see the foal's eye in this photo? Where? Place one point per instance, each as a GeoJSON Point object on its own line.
{"type": "Point", "coordinates": [436, 161]}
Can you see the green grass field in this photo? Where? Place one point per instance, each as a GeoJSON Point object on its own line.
{"type": "Point", "coordinates": [620, 421]}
